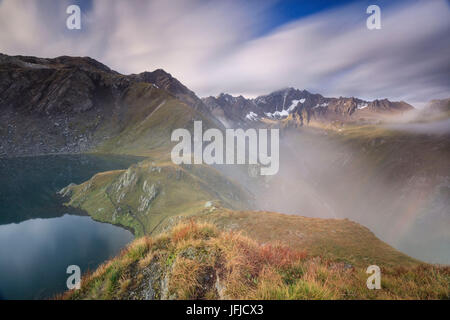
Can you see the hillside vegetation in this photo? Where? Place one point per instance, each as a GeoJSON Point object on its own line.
{"type": "Point", "coordinates": [199, 261]}
{"type": "Point", "coordinates": [145, 195]}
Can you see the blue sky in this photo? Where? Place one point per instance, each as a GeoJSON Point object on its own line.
{"type": "Point", "coordinates": [291, 10]}
{"type": "Point", "coordinates": [281, 11]}
{"type": "Point", "coordinates": [250, 47]}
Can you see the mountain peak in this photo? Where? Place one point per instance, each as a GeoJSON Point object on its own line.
{"type": "Point", "coordinates": [281, 103]}
{"type": "Point", "coordinates": [28, 62]}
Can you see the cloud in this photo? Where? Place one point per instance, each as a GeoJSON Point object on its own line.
{"type": "Point", "coordinates": [216, 46]}
{"type": "Point", "coordinates": [334, 53]}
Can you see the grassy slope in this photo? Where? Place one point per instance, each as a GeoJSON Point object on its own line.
{"type": "Point", "coordinates": [337, 251]}
{"type": "Point", "coordinates": [150, 119]}
{"type": "Point", "coordinates": [224, 265]}
{"type": "Point", "coordinates": [337, 239]}
{"type": "Point", "coordinates": [147, 194]}
{"type": "Point", "coordinates": [143, 196]}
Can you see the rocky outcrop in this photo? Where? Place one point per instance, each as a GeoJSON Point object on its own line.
{"type": "Point", "coordinates": [149, 194]}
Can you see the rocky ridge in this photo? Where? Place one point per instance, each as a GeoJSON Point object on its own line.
{"type": "Point", "coordinates": [75, 104]}
{"type": "Point", "coordinates": [302, 104]}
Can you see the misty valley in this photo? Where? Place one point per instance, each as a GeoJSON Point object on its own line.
{"type": "Point", "coordinates": [397, 185]}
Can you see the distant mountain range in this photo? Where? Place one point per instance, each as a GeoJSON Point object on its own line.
{"type": "Point", "coordinates": [303, 104]}
{"type": "Point", "coordinates": [77, 104]}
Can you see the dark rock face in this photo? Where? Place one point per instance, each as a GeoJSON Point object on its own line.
{"type": "Point", "coordinates": [71, 104]}
{"type": "Point", "coordinates": [54, 105]}
{"type": "Point", "coordinates": [303, 105]}
{"type": "Point", "coordinates": [226, 107]}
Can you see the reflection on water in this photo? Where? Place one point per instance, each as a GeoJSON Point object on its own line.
{"type": "Point", "coordinates": [34, 254]}
{"type": "Point", "coordinates": [38, 239]}
{"type": "Point", "coordinates": [28, 185]}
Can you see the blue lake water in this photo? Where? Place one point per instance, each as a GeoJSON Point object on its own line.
{"type": "Point", "coordinates": [39, 238]}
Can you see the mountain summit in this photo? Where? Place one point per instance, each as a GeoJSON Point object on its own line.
{"type": "Point", "coordinates": [77, 104]}
{"type": "Point", "coordinates": [303, 104]}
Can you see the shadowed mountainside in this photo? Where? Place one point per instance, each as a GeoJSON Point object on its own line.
{"type": "Point", "coordinates": [72, 105]}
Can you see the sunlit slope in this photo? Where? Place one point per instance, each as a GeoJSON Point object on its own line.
{"type": "Point", "coordinates": [200, 261]}
{"type": "Point", "coordinates": [145, 195]}
{"type": "Point", "coordinates": [338, 239]}
{"type": "Point", "coordinates": [150, 198]}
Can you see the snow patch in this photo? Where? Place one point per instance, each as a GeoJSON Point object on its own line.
{"type": "Point", "coordinates": [322, 105]}
{"type": "Point", "coordinates": [285, 112]}
{"type": "Point", "coordinates": [277, 114]}
{"type": "Point", "coordinates": [294, 103]}
{"type": "Point", "coordinates": [252, 116]}
{"type": "Point", "coordinates": [361, 106]}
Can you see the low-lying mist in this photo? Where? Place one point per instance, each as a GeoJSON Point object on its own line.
{"type": "Point", "coordinates": [397, 186]}
{"type": "Point", "coordinates": [436, 127]}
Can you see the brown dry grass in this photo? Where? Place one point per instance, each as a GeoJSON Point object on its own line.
{"type": "Point", "coordinates": [202, 262]}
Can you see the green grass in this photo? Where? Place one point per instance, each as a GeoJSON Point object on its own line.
{"type": "Point", "coordinates": [119, 197]}
{"type": "Point", "coordinates": [337, 239]}
{"type": "Point", "coordinates": [151, 117]}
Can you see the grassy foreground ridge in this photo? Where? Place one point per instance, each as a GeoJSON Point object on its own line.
{"type": "Point", "coordinates": [196, 260]}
